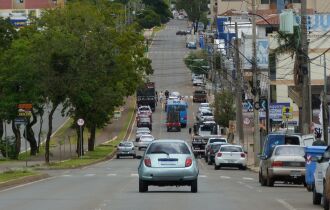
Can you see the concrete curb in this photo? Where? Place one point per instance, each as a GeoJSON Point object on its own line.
{"type": "Point", "coordinates": [253, 169]}
{"type": "Point", "coordinates": [23, 180]}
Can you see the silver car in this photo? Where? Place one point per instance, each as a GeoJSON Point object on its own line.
{"type": "Point", "coordinates": [145, 140]}
{"type": "Point", "coordinates": [126, 148]}
{"type": "Point", "coordinates": [168, 163]}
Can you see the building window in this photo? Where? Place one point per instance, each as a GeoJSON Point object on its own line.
{"type": "Point", "coordinates": [264, 2]}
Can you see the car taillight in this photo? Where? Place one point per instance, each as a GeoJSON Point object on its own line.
{"type": "Point", "coordinates": [277, 164]}
{"type": "Point", "coordinates": [219, 154]}
{"type": "Point", "coordinates": [243, 155]}
{"type": "Point", "coordinates": [188, 162]}
{"type": "Point", "coordinates": [147, 161]}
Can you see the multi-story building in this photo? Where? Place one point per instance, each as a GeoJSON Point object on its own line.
{"type": "Point", "coordinates": [19, 10]}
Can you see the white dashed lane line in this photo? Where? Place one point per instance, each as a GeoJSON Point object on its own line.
{"type": "Point", "coordinates": [247, 178]}
{"type": "Point", "coordinates": [111, 174]}
{"type": "Point", "coordinates": [285, 204]}
{"type": "Point", "coordinates": [225, 177]}
{"type": "Point", "coordinates": [89, 175]}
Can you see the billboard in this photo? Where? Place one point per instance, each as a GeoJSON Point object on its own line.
{"type": "Point", "coordinates": [262, 53]}
{"type": "Point", "coordinates": [275, 111]}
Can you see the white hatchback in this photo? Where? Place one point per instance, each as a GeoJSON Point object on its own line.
{"type": "Point", "coordinates": [230, 156]}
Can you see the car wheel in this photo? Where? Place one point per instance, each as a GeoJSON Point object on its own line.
{"type": "Point", "coordinates": [168, 130]}
{"type": "Point", "coordinates": [263, 182]}
{"type": "Point", "coordinates": [316, 197]}
{"type": "Point", "coordinates": [216, 167]}
{"type": "Point", "coordinates": [209, 162]}
{"type": "Point", "coordinates": [143, 187]}
{"type": "Point", "coordinates": [117, 156]}
{"type": "Point", "coordinates": [134, 156]}
{"type": "Point", "coordinates": [242, 168]}
{"type": "Point", "coordinates": [270, 182]}
{"type": "Point", "coordinates": [206, 159]}
{"type": "Point", "coordinates": [194, 186]}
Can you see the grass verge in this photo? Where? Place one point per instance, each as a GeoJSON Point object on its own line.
{"type": "Point", "coordinates": [101, 152]}
{"type": "Point", "coordinates": [15, 174]}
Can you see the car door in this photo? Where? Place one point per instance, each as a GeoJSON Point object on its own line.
{"type": "Point", "coordinates": [320, 170]}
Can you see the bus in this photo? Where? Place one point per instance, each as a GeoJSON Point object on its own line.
{"type": "Point", "coordinates": [180, 106]}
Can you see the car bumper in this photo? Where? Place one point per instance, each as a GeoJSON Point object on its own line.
{"type": "Point", "coordinates": [287, 172]}
{"type": "Point", "coordinates": [168, 174]}
{"type": "Point", "coordinates": [230, 162]}
{"type": "Point", "coordinates": [130, 153]}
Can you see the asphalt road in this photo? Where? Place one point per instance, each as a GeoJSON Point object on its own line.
{"type": "Point", "coordinates": [113, 185]}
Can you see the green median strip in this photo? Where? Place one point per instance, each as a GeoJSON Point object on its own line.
{"type": "Point", "coordinates": [101, 152]}
{"type": "Point", "coordinates": [15, 174]}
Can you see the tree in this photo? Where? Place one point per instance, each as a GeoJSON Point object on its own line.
{"type": "Point", "coordinates": [195, 62]}
{"type": "Point", "coordinates": [224, 108]}
{"type": "Point", "coordinates": [196, 10]}
{"type": "Point", "coordinates": [7, 33]}
{"type": "Point", "coordinates": [148, 19]}
{"type": "Point", "coordinates": [160, 8]}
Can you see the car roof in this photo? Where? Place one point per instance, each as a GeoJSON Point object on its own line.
{"type": "Point", "coordinates": [169, 141]}
{"type": "Point", "coordinates": [222, 143]}
{"type": "Point", "coordinates": [126, 141]}
{"type": "Point", "coordinates": [147, 135]}
{"type": "Point", "coordinates": [143, 128]}
{"type": "Point", "coordinates": [232, 145]}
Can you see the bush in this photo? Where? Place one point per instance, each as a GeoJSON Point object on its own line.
{"type": "Point", "coordinates": [11, 146]}
{"type": "Point", "coordinates": [148, 19]}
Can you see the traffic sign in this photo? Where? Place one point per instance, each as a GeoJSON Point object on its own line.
{"type": "Point", "coordinates": [80, 122]}
{"type": "Point", "coordinates": [24, 106]}
{"type": "Point", "coordinates": [287, 112]}
{"type": "Point", "coordinates": [20, 121]}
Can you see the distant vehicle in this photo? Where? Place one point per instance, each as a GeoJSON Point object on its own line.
{"type": "Point", "coordinates": [181, 17]}
{"type": "Point", "coordinates": [208, 128]}
{"type": "Point", "coordinates": [141, 131]}
{"type": "Point", "coordinates": [144, 122]}
{"type": "Point", "coordinates": [192, 45]}
{"type": "Point", "coordinates": [181, 32]}
{"type": "Point", "coordinates": [125, 148]}
{"type": "Point", "coordinates": [203, 115]}
{"type": "Point", "coordinates": [286, 163]}
{"type": "Point", "coordinates": [145, 109]}
{"type": "Point", "coordinates": [145, 140]}
{"type": "Point", "coordinates": [180, 106]}
{"type": "Point", "coordinates": [211, 140]}
{"type": "Point", "coordinates": [175, 94]}
{"type": "Point", "coordinates": [214, 148]}
{"type": "Point", "coordinates": [198, 82]}
{"type": "Point", "coordinates": [146, 95]}
{"type": "Point", "coordinates": [168, 163]}
{"type": "Point", "coordinates": [203, 106]}
{"type": "Point", "coordinates": [173, 120]}
{"type": "Point", "coordinates": [230, 156]}
{"type": "Point", "coordinates": [197, 76]}
{"type": "Point", "coordinates": [200, 96]}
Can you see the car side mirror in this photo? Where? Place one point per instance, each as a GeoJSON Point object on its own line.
{"type": "Point", "coordinates": [138, 157]}
{"type": "Point", "coordinates": [319, 159]}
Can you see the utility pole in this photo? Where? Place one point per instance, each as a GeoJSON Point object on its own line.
{"type": "Point", "coordinates": [305, 71]}
{"type": "Point", "coordinates": [256, 84]}
{"type": "Point", "coordinates": [325, 104]}
{"type": "Point", "coordinates": [239, 114]}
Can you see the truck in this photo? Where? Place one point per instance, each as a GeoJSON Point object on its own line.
{"type": "Point", "coordinates": [173, 120]}
{"type": "Point", "coordinates": [146, 95]}
{"type": "Point", "coordinates": [200, 96]}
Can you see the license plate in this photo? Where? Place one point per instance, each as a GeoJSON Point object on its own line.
{"type": "Point", "coordinates": [168, 163]}
{"type": "Point", "coordinates": [230, 161]}
{"type": "Point", "coordinates": [295, 173]}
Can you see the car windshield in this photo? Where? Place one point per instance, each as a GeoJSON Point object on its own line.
{"type": "Point", "coordinates": [216, 146]}
{"type": "Point", "coordinates": [144, 119]}
{"type": "Point", "coordinates": [217, 140]}
{"type": "Point", "coordinates": [290, 151]}
{"type": "Point", "coordinates": [207, 114]}
{"type": "Point", "coordinates": [231, 149]}
{"type": "Point", "coordinates": [168, 148]}
{"type": "Point", "coordinates": [125, 144]}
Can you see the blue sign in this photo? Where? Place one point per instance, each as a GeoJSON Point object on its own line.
{"type": "Point", "coordinates": [248, 105]}
{"type": "Point", "coordinates": [275, 111]}
{"type": "Point", "coordinates": [262, 53]}
{"type": "Point", "coordinates": [19, 22]}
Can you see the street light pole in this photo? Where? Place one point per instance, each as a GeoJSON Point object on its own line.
{"type": "Point", "coordinates": [256, 142]}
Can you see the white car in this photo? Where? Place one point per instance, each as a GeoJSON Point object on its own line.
{"type": "Point", "coordinates": [175, 94]}
{"type": "Point", "coordinates": [145, 109]}
{"type": "Point", "coordinates": [320, 175]}
{"type": "Point", "coordinates": [231, 156]}
{"type": "Point", "coordinates": [140, 132]}
{"type": "Point", "coordinates": [198, 82]}
{"type": "Point", "coordinates": [204, 115]}
{"type": "Point", "coordinates": [145, 140]}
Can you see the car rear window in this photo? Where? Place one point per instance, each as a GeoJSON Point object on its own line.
{"type": "Point", "coordinates": [168, 147]}
{"type": "Point", "coordinates": [283, 151]}
{"type": "Point", "coordinates": [231, 149]}
{"type": "Point", "coordinates": [217, 140]}
{"type": "Point", "coordinates": [216, 146]}
{"type": "Point", "coordinates": [125, 144]}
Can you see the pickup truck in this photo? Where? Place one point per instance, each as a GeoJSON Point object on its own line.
{"type": "Point", "coordinates": [200, 96]}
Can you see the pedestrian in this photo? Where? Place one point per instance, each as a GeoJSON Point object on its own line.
{"type": "Point", "coordinates": [161, 96]}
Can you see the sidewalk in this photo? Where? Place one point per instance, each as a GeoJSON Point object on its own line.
{"type": "Point", "coordinates": [66, 148]}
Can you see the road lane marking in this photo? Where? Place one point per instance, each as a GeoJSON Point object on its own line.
{"type": "Point", "coordinates": [134, 175]}
{"type": "Point", "coordinates": [202, 176]}
{"type": "Point", "coordinates": [225, 177]}
{"type": "Point", "coordinates": [67, 175]}
{"type": "Point", "coordinates": [30, 183]}
{"type": "Point", "coordinates": [285, 204]}
{"type": "Point", "coordinates": [247, 178]}
{"type": "Point", "coordinates": [246, 185]}
{"type": "Point", "coordinates": [111, 174]}
{"type": "Point", "coordinates": [89, 175]}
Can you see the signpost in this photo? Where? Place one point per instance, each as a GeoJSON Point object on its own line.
{"type": "Point", "coordinates": [24, 113]}
{"type": "Point", "coordinates": [81, 123]}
